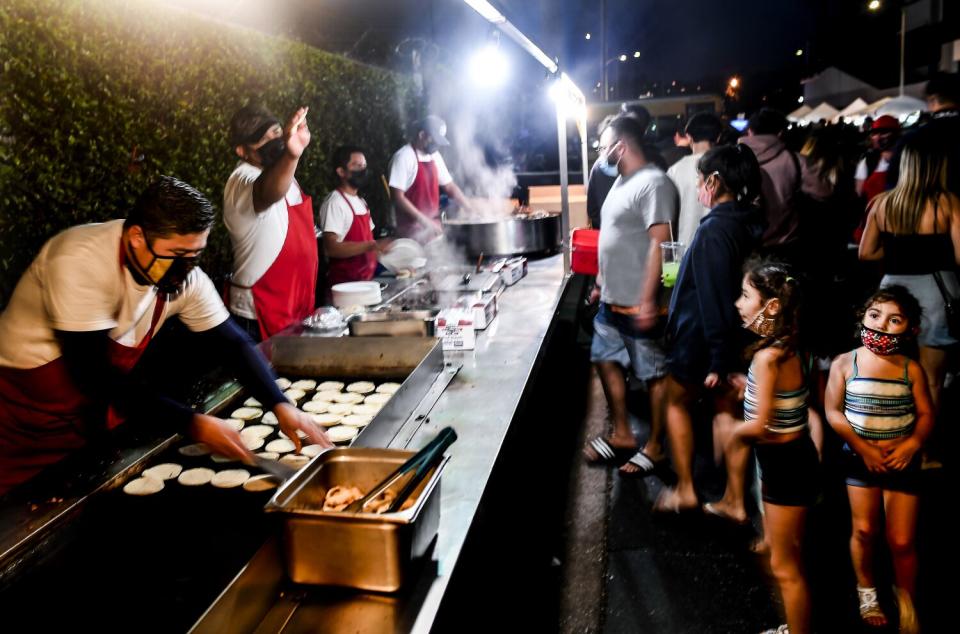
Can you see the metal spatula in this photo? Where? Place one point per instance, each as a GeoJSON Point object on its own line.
{"type": "Point", "coordinates": [277, 469]}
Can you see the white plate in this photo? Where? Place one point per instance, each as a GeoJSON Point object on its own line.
{"type": "Point", "coordinates": [403, 254]}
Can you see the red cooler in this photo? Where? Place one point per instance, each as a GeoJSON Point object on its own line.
{"type": "Point", "coordinates": [583, 251]}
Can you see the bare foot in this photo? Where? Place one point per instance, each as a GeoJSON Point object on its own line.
{"type": "Point", "coordinates": [725, 510]}
{"type": "Point", "coordinates": [673, 501]}
{"type": "Point", "coordinates": [870, 611]}
{"type": "Point", "coordinates": [654, 457]}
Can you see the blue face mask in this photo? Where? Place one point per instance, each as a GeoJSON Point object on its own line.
{"type": "Point", "coordinates": [604, 165]}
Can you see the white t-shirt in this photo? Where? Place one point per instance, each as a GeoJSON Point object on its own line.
{"type": "Point", "coordinates": [861, 173]}
{"type": "Point", "coordinates": [683, 173]}
{"type": "Point", "coordinates": [336, 216]}
{"type": "Point", "coordinates": [257, 238]}
{"type": "Point", "coordinates": [404, 166]}
{"type": "Point", "coordinates": [77, 284]}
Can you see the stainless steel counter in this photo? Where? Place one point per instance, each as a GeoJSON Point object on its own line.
{"type": "Point", "coordinates": [480, 404]}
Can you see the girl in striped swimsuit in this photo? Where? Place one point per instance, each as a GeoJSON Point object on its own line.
{"type": "Point", "coordinates": [775, 423]}
{"type": "Point", "coordinates": [879, 404]}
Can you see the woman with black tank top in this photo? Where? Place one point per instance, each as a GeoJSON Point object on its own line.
{"type": "Point", "coordinates": [915, 230]}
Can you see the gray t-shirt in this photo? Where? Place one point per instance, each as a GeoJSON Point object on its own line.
{"type": "Point", "coordinates": [633, 205]}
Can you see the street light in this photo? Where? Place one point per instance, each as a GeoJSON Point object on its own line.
{"type": "Point", "coordinates": [623, 58]}
{"type": "Point", "coordinates": [873, 5]}
{"type": "Point", "coordinates": [636, 54]}
{"type": "Point", "coordinates": [734, 82]}
{"type": "Point", "coordinates": [799, 52]}
{"type": "Point", "coordinates": [587, 36]}
{"type": "Point", "coordinates": [489, 66]}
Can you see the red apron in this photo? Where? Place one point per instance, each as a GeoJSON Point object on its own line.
{"type": "Point", "coordinates": [425, 196]}
{"type": "Point", "coordinates": [41, 410]}
{"type": "Point", "coordinates": [358, 267]}
{"type": "Point", "coordinates": [285, 293]}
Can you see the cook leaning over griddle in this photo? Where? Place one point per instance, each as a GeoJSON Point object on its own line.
{"type": "Point", "coordinates": [417, 173]}
{"type": "Point", "coordinates": [85, 311]}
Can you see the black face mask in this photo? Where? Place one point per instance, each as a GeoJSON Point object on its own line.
{"type": "Point", "coordinates": [357, 178]}
{"type": "Point", "coordinates": [271, 151]}
{"type": "Point", "coordinates": [167, 272]}
{"type": "Point", "coordinates": [431, 147]}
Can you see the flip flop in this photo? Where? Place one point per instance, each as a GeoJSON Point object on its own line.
{"type": "Point", "coordinates": [607, 453]}
{"type": "Point", "coordinates": [646, 465]}
{"type": "Point", "coordinates": [710, 509]}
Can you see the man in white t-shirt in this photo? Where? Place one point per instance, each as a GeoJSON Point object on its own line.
{"type": "Point", "coordinates": [702, 132]}
{"type": "Point", "coordinates": [345, 221]}
{"type": "Point", "coordinates": [83, 314]}
{"type": "Point", "coordinates": [628, 329]}
{"type": "Point", "coordinates": [271, 224]}
{"type": "Point", "coordinates": [417, 174]}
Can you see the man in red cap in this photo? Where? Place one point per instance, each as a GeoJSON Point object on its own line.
{"type": "Point", "coordinates": [871, 175]}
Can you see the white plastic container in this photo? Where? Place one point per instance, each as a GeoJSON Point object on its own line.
{"type": "Point", "coordinates": [356, 294]}
{"type": "Point", "coordinates": [455, 328]}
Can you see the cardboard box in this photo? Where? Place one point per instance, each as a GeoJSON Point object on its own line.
{"type": "Point", "coordinates": [514, 271]}
{"type": "Point", "coordinates": [455, 327]}
{"type": "Point", "coordinates": [483, 307]}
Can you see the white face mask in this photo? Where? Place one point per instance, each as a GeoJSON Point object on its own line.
{"type": "Point", "coordinates": [604, 165]}
{"type": "Point", "coordinates": [703, 194]}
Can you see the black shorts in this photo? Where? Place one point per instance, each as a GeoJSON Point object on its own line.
{"type": "Point", "coordinates": [905, 481]}
{"type": "Point", "coordinates": [789, 472]}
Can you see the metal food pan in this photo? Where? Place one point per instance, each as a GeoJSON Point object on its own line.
{"type": "Point", "coordinates": [358, 550]}
{"type": "Point", "coordinates": [414, 323]}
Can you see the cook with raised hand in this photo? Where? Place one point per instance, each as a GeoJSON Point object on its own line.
{"type": "Point", "coordinates": [270, 222]}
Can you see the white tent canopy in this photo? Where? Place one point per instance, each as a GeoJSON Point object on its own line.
{"type": "Point", "coordinates": [855, 108]}
{"type": "Point", "coordinates": [823, 111]}
{"type": "Point", "coordinates": [902, 106]}
{"type": "Point", "coordinates": [799, 113]}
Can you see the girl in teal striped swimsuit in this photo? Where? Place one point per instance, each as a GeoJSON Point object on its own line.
{"type": "Point", "coordinates": [775, 424]}
{"type": "Point", "coordinates": [879, 404]}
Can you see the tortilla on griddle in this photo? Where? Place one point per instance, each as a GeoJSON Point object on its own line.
{"type": "Point", "coordinates": [163, 471]}
{"type": "Point", "coordinates": [341, 409]}
{"type": "Point", "coordinates": [143, 486]}
{"type": "Point", "coordinates": [366, 409]}
{"type": "Point", "coordinates": [388, 388]}
{"type": "Point", "coordinates": [342, 433]}
{"type": "Point", "coordinates": [357, 420]}
{"type": "Point", "coordinates": [348, 397]}
{"type": "Point", "coordinates": [304, 384]}
{"type": "Point", "coordinates": [361, 387]}
{"type": "Point", "coordinates": [196, 477]}
{"type": "Point", "coordinates": [312, 450]}
{"type": "Point", "coordinates": [283, 383]}
{"type": "Point", "coordinates": [316, 407]}
{"type": "Point", "coordinates": [252, 402]}
{"type": "Point", "coordinates": [330, 386]}
{"type": "Point", "coordinates": [281, 445]}
{"type": "Point", "coordinates": [247, 413]}
{"type": "Point", "coordinates": [378, 399]}
{"type": "Point", "coordinates": [295, 461]}
{"type": "Point", "coordinates": [259, 483]}
{"type": "Point", "coordinates": [258, 431]}
{"type": "Point", "coordinates": [293, 395]}
{"type": "Point", "coordinates": [230, 478]}
{"type": "Point", "coordinates": [327, 419]}
{"type": "Point", "coordinates": [269, 419]}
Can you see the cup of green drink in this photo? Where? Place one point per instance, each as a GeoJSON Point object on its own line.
{"type": "Point", "coordinates": [670, 255]}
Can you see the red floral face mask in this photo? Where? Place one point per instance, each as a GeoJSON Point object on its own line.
{"type": "Point", "coordinates": [882, 343]}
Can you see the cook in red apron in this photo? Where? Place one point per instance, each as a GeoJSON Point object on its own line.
{"type": "Point", "coordinates": [285, 293]}
{"type": "Point", "coordinates": [41, 410]}
{"type": "Point", "coordinates": [358, 267]}
{"type": "Point", "coordinates": [425, 196]}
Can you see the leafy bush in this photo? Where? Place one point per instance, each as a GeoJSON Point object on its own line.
{"type": "Point", "coordinates": [100, 96]}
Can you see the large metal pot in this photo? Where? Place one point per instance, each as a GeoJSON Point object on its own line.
{"type": "Point", "coordinates": [518, 235]}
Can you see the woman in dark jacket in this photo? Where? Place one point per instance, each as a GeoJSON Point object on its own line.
{"type": "Point", "coordinates": [704, 331]}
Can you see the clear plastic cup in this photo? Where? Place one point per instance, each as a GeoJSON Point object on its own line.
{"type": "Point", "coordinates": [671, 253]}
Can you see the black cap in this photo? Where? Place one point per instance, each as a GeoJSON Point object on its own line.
{"type": "Point", "coordinates": [250, 123]}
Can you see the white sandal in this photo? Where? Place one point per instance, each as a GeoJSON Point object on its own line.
{"type": "Point", "coordinates": [783, 629]}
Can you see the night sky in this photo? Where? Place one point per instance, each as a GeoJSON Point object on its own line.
{"type": "Point", "coordinates": [693, 41]}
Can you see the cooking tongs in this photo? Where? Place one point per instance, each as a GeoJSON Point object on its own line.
{"type": "Point", "coordinates": [420, 463]}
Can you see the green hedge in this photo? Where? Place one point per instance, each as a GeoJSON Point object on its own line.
{"type": "Point", "coordinates": [87, 86]}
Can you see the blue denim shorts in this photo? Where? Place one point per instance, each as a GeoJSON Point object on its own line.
{"type": "Point", "coordinates": [615, 338]}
